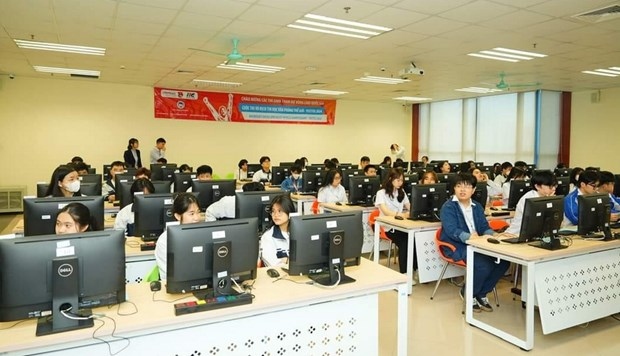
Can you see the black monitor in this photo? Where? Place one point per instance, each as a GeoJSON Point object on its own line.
{"type": "Point", "coordinates": [594, 214]}
{"type": "Point", "coordinates": [151, 214]}
{"type": "Point", "coordinates": [404, 165]}
{"type": "Point", "coordinates": [182, 181]}
{"type": "Point", "coordinates": [362, 190]}
{"type": "Point", "coordinates": [213, 190]}
{"type": "Point", "coordinates": [448, 179]}
{"type": "Point", "coordinates": [279, 174]}
{"type": "Point", "coordinates": [312, 181]}
{"type": "Point", "coordinates": [542, 218]}
{"type": "Point", "coordinates": [617, 185]}
{"type": "Point", "coordinates": [315, 167]}
{"type": "Point", "coordinates": [563, 186]}
{"type": "Point", "coordinates": [91, 273]}
{"type": "Point", "coordinates": [162, 186]}
{"type": "Point", "coordinates": [123, 190]}
{"type": "Point", "coordinates": [210, 254]}
{"type": "Point", "coordinates": [427, 200]}
{"type": "Point", "coordinates": [479, 164]}
{"type": "Point", "coordinates": [106, 171]}
{"type": "Point", "coordinates": [256, 205]}
{"type": "Point", "coordinates": [168, 173]}
{"type": "Point", "coordinates": [408, 181]}
{"type": "Point", "coordinates": [90, 178]}
{"type": "Point", "coordinates": [416, 164]}
{"type": "Point", "coordinates": [287, 164]}
{"type": "Point", "coordinates": [347, 173]}
{"type": "Point", "coordinates": [348, 166]}
{"type": "Point", "coordinates": [322, 245]}
{"type": "Point", "coordinates": [157, 172]}
{"type": "Point", "coordinates": [253, 167]}
{"type": "Point", "coordinates": [40, 213]}
{"type": "Point", "coordinates": [481, 194]}
{"type": "Point", "coordinates": [562, 172]}
{"type": "Point", "coordinates": [92, 170]}
{"type": "Point", "coordinates": [42, 189]}
{"type": "Point", "coordinates": [120, 178]}
{"type": "Point", "coordinates": [90, 189]}
{"type": "Point", "coordinates": [518, 188]}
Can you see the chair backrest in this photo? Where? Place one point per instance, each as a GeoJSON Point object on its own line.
{"type": "Point", "coordinates": [373, 216]}
{"type": "Point", "coordinates": [440, 249]}
{"type": "Point", "coordinates": [315, 207]}
{"type": "Point", "coordinates": [498, 225]}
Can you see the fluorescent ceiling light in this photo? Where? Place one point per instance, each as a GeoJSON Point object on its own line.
{"type": "Point", "coordinates": [524, 53]}
{"type": "Point", "coordinates": [59, 47]}
{"type": "Point", "coordinates": [614, 68]}
{"type": "Point", "coordinates": [251, 67]}
{"type": "Point", "coordinates": [412, 98]}
{"type": "Point", "coordinates": [507, 54]}
{"type": "Point", "coordinates": [325, 92]}
{"type": "Point", "coordinates": [492, 57]}
{"type": "Point", "coordinates": [94, 73]}
{"type": "Point", "coordinates": [599, 73]}
{"type": "Point", "coordinates": [609, 71]}
{"type": "Point", "coordinates": [478, 90]}
{"type": "Point", "coordinates": [217, 82]}
{"type": "Point", "coordinates": [324, 24]}
{"type": "Point", "coordinates": [382, 80]}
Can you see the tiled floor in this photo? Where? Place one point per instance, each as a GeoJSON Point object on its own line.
{"type": "Point", "coordinates": [437, 327]}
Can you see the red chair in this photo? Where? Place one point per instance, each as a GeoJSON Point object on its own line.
{"type": "Point", "coordinates": [498, 225]}
{"type": "Point", "coordinates": [382, 235]}
{"type": "Point", "coordinates": [315, 207]}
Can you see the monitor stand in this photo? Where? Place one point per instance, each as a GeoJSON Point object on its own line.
{"type": "Point", "coordinates": [65, 290]}
{"type": "Point", "coordinates": [222, 258]}
{"type": "Point", "coordinates": [336, 273]}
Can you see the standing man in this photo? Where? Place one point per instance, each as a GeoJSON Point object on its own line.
{"type": "Point", "coordinates": [159, 151]}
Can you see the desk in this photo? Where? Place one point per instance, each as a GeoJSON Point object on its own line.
{"type": "Point", "coordinates": [138, 264]}
{"type": "Point", "coordinates": [368, 244]}
{"type": "Point", "coordinates": [301, 200]}
{"type": "Point", "coordinates": [572, 286]}
{"type": "Point", "coordinates": [284, 316]}
{"type": "Point", "coordinates": [109, 208]}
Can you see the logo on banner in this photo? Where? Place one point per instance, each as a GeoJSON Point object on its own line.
{"type": "Point", "coordinates": [180, 105]}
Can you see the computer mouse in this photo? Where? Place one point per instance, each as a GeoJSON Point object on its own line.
{"type": "Point", "coordinates": [493, 240]}
{"type": "Point", "coordinates": [398, 217]}
{"type": "Point", "coordinates": [155, 286]}
{"type": "Point", "coordinates": [273, 273]}
{"type": "Point", "coordinates": [338, 203]}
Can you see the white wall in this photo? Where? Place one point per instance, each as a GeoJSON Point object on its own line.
{"type": "Point", "coordinates": [45, 122]}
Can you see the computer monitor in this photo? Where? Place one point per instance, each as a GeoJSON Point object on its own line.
{"type": "Point", "coordinates": [168, 173]}
{"type": "Point", "coordinates": [162, 186]}
{"type": "Point", "coordinates": [562, 172]}
{"type": "Point", "coordinates": [131, 170]}
{"type": "Point", "coordinates": [182, 181]}
{"type": "Point", "coordinates": [594, 213]}
{"type": "Point", "coordinates": [123, 190]}
{"type": "Point", "coordinates": [416, 164]}
{"type": "Point", "coordinates": [40, 213]}
{"type": "Point", "coordinates": [279, 174]}
{"type": "Point", "coordinates": [479, 164]}
{"type": "Point", "coordinates": [315, 167]}
{"type": "Point", "coordinates": [563, 186]}
{"type": "Point", "coordinates": [120, 178]}
{"type": "Point", "coordinates": [448, 179]}
{"type": "Point", "coordinates": [210, 254]}
{"type": "Point", "coordinates": [404, 165]}
{"type": "Point", "coordinates": [347, 173]}
{"type": "Point", "coordinates": [151, 214]}
{"type": "Point", "coordinates": [542, 218]}
{"type": "Point", "coordinates": [287, 164]}
{"type": "Point", "coordinates": [90, 189]}
{"type": "Point", "coordinates": [92, 170]}
{"type": "Point", "coordinates": [90, 270]}
{"type": "Point", "coordinates": [253, 167]}
{"type": "Point", "coordinates": [90, 178]}
{"type": "Point", "coordinates": [540, 170]}
{"type": "Point", "coordinates": [106, 171]}
{"type": "Point", "coordinates": [348, 166]}
{"type": "Point", "coordinates": [363, 189]}
{"type": "Point", "coordinates": [481, 194]}
{"type": "Point", "coordinates": [617, 185]}
{"type": "Point", "coordinates": [213, 190]}
{"type": "Point", "coordinates": [518, 188]}
{"type": "Point", "coordinates": [157, 172]}
{"type": "Point", "coordinates": [312, 181]}
{"type": "Point", "coordinates": [42, 189]}
{"type": "Point", "coordinates": [322, 245]}
{"type": "Point", "coordinates": [427, 200]}
{"type": "Point", "coordinates": [408, 181]}
{"type": "Point", "coordinates": [256, 205]}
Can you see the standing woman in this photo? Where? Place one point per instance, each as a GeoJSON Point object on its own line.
{"type": "Point", "coordinates": [392, 201]}
{"type": "Point", "coordinates": [65, 182]}
{"type": "Point", "coordinates": [132, 155]}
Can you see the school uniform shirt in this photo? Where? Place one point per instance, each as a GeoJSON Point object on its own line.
{"type": "Point", "coordinates": [125, 220]}
{"type": "Point", "coordinates": [615, 203]}
{"type": "Point", "coordinates": [500, 180]}
{"type": "Point", "coordinates": [505, 192]}
{"type": "Point", "coordinates": [391, 203]}
{"type": "Point", "coordinates": [156, 154]}
{"type": "Point", "coordinates": [292, 185]}
{"type": "Point", "coordinates": [261, 176]}
{"type": "Point", "coordinates": [108, 189]}
{"type": "Point", "coordinates": [400, 153]}
{"type": "Point", "coordinates": [274, 246]}
{"type": "Point", "coordinates": [223, 208]}
{"type": "Point", "coordinates": [329, 194]}
{"type": "Point", "coordinates": [515, 224]}
{"type": "Point", "coordinates": [571, 209]}
{"type": "Point", "coordinates": [493, 188]}
{"type": "Point", "coordinates": [161, 249]}
{"type": "Point", "coordinates": [240, 174]}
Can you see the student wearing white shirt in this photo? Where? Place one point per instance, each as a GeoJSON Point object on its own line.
{"type": "Point", "coordinates": [275, 242]}
{"type": "Point", "coordinates": [125, 217]}
{"type": "Point", "coordinates": [500, 179]}
{"type": "Point", "coordinates": [398, 151]}
{"type": "Point", "coordinates": [225, 207]}
{"type": "Point", "coordinates": [492, 188]}
{"type": "Point", "coordinates": [332, 191]}
{"type": "Point", "coordinates": [242, 172]}
{"type": "Point", "coordinates": [264, 175]}
{"type": "Point", "coordinates": [515, 174]}
{"type": "Point", "coordinates": [543, 185]}
{"type": "Point", "coordinates": [159, 151]}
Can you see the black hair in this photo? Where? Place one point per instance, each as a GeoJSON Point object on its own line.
{"type": "Point", "coordinates": [143, 171]}
{"type": "Point", "coordinates": [295, 168]}
{"type": "Point", "coordinates": [185, 167]}
{"type": "Point", "coordinates": [394, 173]}
{"type": "Point", "coordinates": [573, 175]}
{"type": "Point", "coordinates": [590, 168]}
{"type": "Point", "coordinates": [131, 142]}
{"type": "Point", "coordinates": [80, 215]}
{"type": "Point", "coordinates": [588, 177]}
{"type": "Point", "coordinates": [162, 160]}
{"type": "Point", "coordinates": [285, 202]}
{"type": "Point", "coordinates": [335, 160]}
{"type": "Point", "coordinates": [605, 177]}
{"type": "Point", "coordinates": [515, 173]}
{"type": "Point", "coordinates": [242, 162]}
{"type": "Point", "coordinates": [542, 178]}
{"type": "Point", "coordinates": [117, 164]}
{"type": "Point", "coordinates": [182, 202]}
{"type": "Point", "coordinates": [386, 159]}
{"type": "Point", "coordinates": [141, 184]}
{"type": "Point", "coordinates": [263, 159]}
{"type": "Point", "coordinates": [506, 165]}
{"type": "Point", "coordinates": [464, 167]}
{"type": "Point", "coordinates": [521, 164]}
{"type": "Point", "coordinates": [253, 187]}
{"type": "Point", "coordinates": [329, 177]}
{"type": "Point", "coordinates": [393, 146]}
{"type": "Point", "coordinates": [57, 176]}
{"type": "Point", "coordinates": [365, 159]}
{"type": "Point", "coordinates": [204, 169]}
{"type": "Point", "coordinates": [329, 165]}
{"type": "Point", "coordinates": [424, 157]}
{"type": "Point", "coordinates": [464, 178]}
{"type": "Point", "coordinates": [80, 166]}
{"type": "Point", "coordinates": [160, 140]}
{"type": "Point", "coordinates": [368, 167]}
{"type": "Point", "coordinates": [76, 159]}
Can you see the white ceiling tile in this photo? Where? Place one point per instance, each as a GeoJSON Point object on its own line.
{"type": "Point", "coordinates": [516, 20]}
{"type": "Point", "coordinates": [228, 9]}
{"type": "Point", "coordinates": [166, 4]}
{"type": "Point", "coordinates": [430, 6]}
{"type": "Point", "coordinates": [200, 22]}
{"type": "Point", "coordinates": [433, 26]}
{"type": "Point", "coordinates": [567, 8]}
{"type": "Point", "coordinates": [145, 13]}
{"type": "Point", "coordinates": [477, 11]}
{"type": "Point", "coordinates": [550, 27]}
{"type": "Point", "coordinates": [394, 18]}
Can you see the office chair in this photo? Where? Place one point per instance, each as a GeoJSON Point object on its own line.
{"type": "Point", "coordinates": [382, 235]}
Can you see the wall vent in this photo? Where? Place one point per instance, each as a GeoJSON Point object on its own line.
{"type": "Point", "coordinates": [607, 13]}
{"type": "Point", "coordinates": [11, 199]}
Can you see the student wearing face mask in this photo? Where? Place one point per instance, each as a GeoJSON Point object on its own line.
{"type": "Point", "coordinates": [293, 183]}
{"type": "Point", "coordinates": [64, 183]}
{"type": "Point", "coordinates": [74, 218]}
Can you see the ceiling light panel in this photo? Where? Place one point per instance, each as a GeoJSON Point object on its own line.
{"type": "Point", "coordinates": [507, 54]}
{"type": "Point", "coordinates": [58, 70]}
{"type": "Point", "coordinates": [334, 26]}
{"type": "Point", "coordinates": [412, 98]}
{"type": "Point", "coordinates": [59, 47]}
{"type": "Point", "coordinates": [382, 80]}
{"type": "Point", "coordinates": [251, 67]}
{"type": "Point", "coordinates": [599, 73]}
{"type": "Point", "coordinates": [216, 83]}
{"type": "Point", "coordinates": [478, 90]}
{"type": "Point", "coordinates": [325, 92]}
{"type": "Point", "coordinates": [605, 72]}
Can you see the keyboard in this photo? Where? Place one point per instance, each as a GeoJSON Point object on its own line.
{"type": "Point", "coordinates": [212, 303]}
{"type": "Point", "coordinates": [512, 240]}
{"type": "Point", "coordinates": [593, 236]}
{"type": "Point", "coordinates": [306, 193]}
{"type": "Point", "coordinates": [425, 218]}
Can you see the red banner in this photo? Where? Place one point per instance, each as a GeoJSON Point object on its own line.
{"type": "Point", "coordinates": [234, 107]}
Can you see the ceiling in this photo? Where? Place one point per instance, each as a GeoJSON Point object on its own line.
{"type": "Point", "coordinates": [147, 43]}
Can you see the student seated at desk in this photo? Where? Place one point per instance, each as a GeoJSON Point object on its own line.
{"type": "Point", "coordinates": [364, 161]}
{"type": "Point", "coordinates": [108, 189]}
{"type": "Point", "coordinates": [275, 242]}
{"type": "Point", "coordinates": [293, 183]}
{"type": "Point", "coordinates": [64, 183]}
{"type": "Point", "coordinates": [332, 191]}
{"type": "Point", "coordinates": [515, 174]}
{"type": "Point", "coordinates": [587, 184]}
{"type": "Point", "coordinates": [125, 217]}
{"type": "Point", "coordinates": [574, 178]}
{"type": "Point", "coordinates": [463, 219]}
{"type": "Point", "coordinates": [225, 207]}
{"type": "Point", "coordinates": [606, 184]}
{"type": "Point", "coordinates": [187, 211]}
{"type": "Point", "coordinates": [81, 168]}
{"type": "Point", "coordinates": [429, 177]}
{"type": "Point", "coordinates": [387, 161]}
{"type": "Point", "coordinates": [393, 201]}
{"type": "Point", "coordinates": [370, 170]}
{"type": "Point", "coordinates": [264, 175]}
{"type": "Point", "coordinates": [74, 218]}
{"type": "Point", "coordinates": [242, 172]}
{"type": "Point", "coordinates": [543, 185]}
{"type": "Point", "coordinates": [502, 178]}
{"type": "Point", "coordinates": [492, 188]}
{"type": "Point", "coordinates": [203, 173]}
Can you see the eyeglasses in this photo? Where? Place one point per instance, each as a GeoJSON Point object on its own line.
{"type": "Point", "coordinates": [277, 212]}
{"type": "Point", "coordinates": [593, 185]}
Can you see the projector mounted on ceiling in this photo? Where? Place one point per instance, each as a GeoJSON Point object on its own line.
{"type": "Point", "coordinates": [410, 70]}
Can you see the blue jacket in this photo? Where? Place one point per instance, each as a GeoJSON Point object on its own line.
{"type": "Point", "coordinates": [615, 204]}
{"type": "Point", "coordinates": [571, 209]}
{"type": "Point", "coordinates": [292, 185]}
{"type": "Point", "coordinates": [454, 228]}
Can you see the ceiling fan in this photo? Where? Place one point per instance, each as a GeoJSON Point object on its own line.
{"type": "Point", "coordinates": [234, 56]}
{"type": "Point", "coordinates": [502, 85]}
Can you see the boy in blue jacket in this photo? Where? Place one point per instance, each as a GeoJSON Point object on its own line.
{"type": "Point", "coordinates": [463, 219]}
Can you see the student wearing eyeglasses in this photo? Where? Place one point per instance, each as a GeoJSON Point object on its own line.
{"type": "Point", "coordinates": [586, 185]}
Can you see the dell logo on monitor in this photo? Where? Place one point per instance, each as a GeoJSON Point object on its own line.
{"type": "Point", "coordinates": [337, 239]}
{"type": "Point", "coordinates": [222, 252]}
{"type": "Point", "coordinates": [65, 270]}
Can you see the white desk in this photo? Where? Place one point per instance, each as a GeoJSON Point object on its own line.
{"type": "Point", "coordinates": [368, 244]}
{"type": "Point", "coordinates": [284, 318]}
{"type": "Point", "coordinates": [138, 264]}
{"type": "Point", "coordinates": [572, 286]}
{"type": "Point", "coordinates": [302, 201]}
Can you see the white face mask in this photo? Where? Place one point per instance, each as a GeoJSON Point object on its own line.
{"type": "Point", "coordinates": [296, 176]}
{"type": "Point", "coordinates": [73, 187]}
